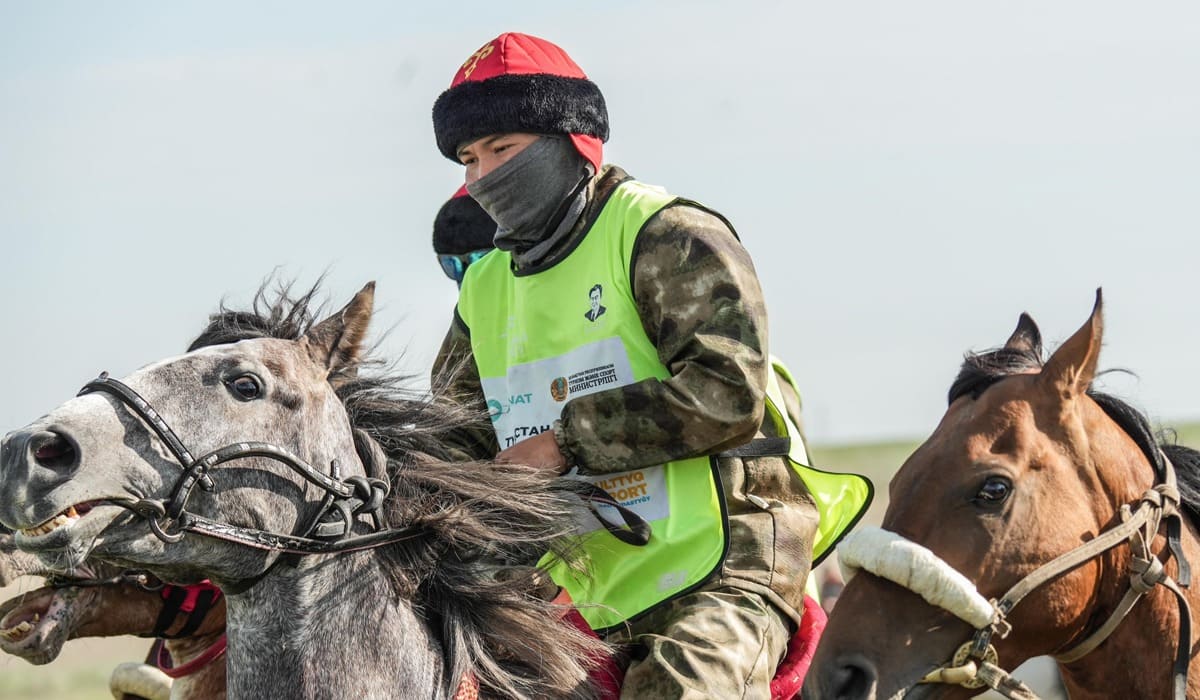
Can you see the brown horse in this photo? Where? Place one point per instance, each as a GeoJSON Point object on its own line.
{"type": "Point", "coordinates": [1029, 523]}
{"type": "Point", "coordinates": [99, 600]}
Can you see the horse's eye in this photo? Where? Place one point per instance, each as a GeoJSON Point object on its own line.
{"type": "Point", "coordinates": [994, 491]}
{"type": "Point", "coordinates": [246, 387]}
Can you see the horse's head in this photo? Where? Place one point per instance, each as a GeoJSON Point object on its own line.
{"type": "Point", "coordinates": [69, 480]}
{"type": "Point", "coordinates": [1024, 466]}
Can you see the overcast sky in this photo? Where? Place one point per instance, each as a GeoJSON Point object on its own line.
{"type": "Point", "coordinates": [909, 176]}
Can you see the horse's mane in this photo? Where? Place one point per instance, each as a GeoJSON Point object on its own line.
{"type": "Point", "coordinates": [981, 370]}
{"type": "Point", "coordinates": [471, 575]}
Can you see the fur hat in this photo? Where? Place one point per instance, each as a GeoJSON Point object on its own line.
{"type": "Point", "coordinates": [520, 83]}
{"type": "Point", "coordinates": [462, 226]}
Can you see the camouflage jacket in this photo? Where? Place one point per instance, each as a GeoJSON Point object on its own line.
{"type": "Point", "coordinates": [700, 303]}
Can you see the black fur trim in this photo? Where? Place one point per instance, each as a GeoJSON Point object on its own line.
{"type": "Point", "coordinates": [462, 226]}
{"type": "Point", "coordinates": [535, 103]}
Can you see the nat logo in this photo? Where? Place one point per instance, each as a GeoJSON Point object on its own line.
{"type": "Point", "coordinates": [497, 409]}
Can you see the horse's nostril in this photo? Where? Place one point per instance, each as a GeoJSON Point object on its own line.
{"type": "Point", "coordinates": [854, 680]}
{"type": "Point", "coordinates": [52, 450]}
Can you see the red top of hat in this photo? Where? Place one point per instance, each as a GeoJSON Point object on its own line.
{"type": "Point", "coordinates": [513, 53]}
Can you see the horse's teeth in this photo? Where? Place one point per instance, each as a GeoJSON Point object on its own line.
{"type": "Point", "coordinates": [17, 632]}
{"type": "Point", "coordinates": [66, 518]}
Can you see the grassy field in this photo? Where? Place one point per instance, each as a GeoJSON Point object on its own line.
{"type": "Point", "coordinates": [81, 672]}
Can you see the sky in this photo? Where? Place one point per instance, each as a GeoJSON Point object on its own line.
{"type": "Point", "coordinates": [908, 177]}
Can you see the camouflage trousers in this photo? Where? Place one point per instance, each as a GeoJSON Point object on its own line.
{"type": "Point", "coordinates": [719, 642]}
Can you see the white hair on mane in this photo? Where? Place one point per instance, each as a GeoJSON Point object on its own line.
{"type": "Point", "coordinates": [890, 556]}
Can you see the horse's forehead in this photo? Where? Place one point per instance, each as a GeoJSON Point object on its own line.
{"type": "Point", "coordinates": [1017, 398]}
{"type": "Point", "coordinates": [1002, 421]}
{"type": "Point", "coordinates": [280, 356]}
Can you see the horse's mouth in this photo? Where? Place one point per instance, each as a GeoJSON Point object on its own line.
{"type": "Point", "coordinates": [24, 613]}
{"type": "Point", "coordinates": [34, 625]}
{"type": "Point", "coordinates": [72, 533]}
{"type": "Point", "coordinates": [66, 518]}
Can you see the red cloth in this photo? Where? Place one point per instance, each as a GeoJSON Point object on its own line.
{"type": "Point", "coordinates": [790, 674]}
{"type": "Point", "coordinates": [606, 676]}
{"type": "Point", "coordinates": [192, 592]}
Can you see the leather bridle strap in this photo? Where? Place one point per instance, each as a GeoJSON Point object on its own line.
{"type": "Point", "coordinates": [634, 531]}
{"type": "Point", "coordinates": [134, 577]}
{"type": "Point", "coordinates": [1139, 529]}
{"type": "Point", "coordinates": [146, 412]}
{"type": "Point", "coordinates": [1147, 571]}
{"type": "Point", "coordinates": [1066, 562]}
{"type": "Point", "coordinates": [293, 544]}
{"type": "Point", "coordinates": [163, 659]}
{"type": "Point", "coordinates": [975, 663]}
{"type": "Point", "coordinates": [329, 530]}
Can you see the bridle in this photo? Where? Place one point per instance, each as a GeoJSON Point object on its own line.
{"type": "Point", "coordinates": [975, 663]}
{"type": "Point", "coordinates": [196, 602]}
{"type": "Point", "coordinates": [192, 603]}
{"type": "Point", "coordinates": [329, 531]}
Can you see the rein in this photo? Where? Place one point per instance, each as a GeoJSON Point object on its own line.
{"type": "Point", "coordinates": [142, 579]}
{"type": "Point", "coordinates": [329, 531]}
{"type": "Point", "coordinates": [196, 601]}
{"type": "Point", "coordinates": [975, 663]}
{"type": "Point", "coordinates": [162, 658]}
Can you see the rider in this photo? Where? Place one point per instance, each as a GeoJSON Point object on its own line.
{"type": "Point", "coordinates": [620, 332]}
{"type": "Point", "coordinates": [462, 234]}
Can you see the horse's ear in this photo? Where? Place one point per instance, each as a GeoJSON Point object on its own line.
{"type": "Point", "coordinates": [337, 342]}
{"type": "Point", "coordinates": [1070, 370]}
{"type": "Point", "coordinates": [1026, 338]}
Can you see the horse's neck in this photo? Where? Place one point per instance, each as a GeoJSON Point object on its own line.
{"type": "Point", "coordinates": [1137, 660]}
{"type": "Point", "coordinates": [208, 681]}
{"type": "Point", "coordinates": [331, 628]}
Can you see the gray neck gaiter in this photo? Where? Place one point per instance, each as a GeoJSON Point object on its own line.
{"type": "Point", "coordinates": [535, 198]}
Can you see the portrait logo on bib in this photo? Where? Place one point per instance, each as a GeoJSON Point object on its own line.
{"type": "Point", "coordinates": [496, 409]}
{"type": "Point", "coordinates": [558, 389]}
{"type": "Point", "coordinates": [597, 310]}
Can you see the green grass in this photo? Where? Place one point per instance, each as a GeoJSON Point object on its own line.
{"type": "Point", "coordinates": [1188, 434]}
{"type": "Point", "coordinates": [80, 672]}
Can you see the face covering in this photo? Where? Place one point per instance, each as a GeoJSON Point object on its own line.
{"type": "Point", "coordinates": [535, 198]}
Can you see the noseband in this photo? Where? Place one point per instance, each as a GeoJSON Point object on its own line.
{"type": "Point", "coordinates": [975, 664]}
{"type": "Point", "coordinates": [329, 531]}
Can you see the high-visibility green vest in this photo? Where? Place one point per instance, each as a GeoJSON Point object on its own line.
{"type": "Point", "coordinates": [841, 499]}
{"type": "Point", "coordinates": [541, 339]}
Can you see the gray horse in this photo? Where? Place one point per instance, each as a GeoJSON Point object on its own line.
{"type": "Point", "coordinates": [306, 462]}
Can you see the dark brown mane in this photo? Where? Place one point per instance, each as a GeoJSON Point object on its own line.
{"type": "Point", "coordinates": [274, 313]}
{"type": "Point", "coordinates": [981, 370]}
{"type": "Point", "coordinates": [475, 516]}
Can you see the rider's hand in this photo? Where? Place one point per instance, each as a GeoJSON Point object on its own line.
{"type": "Point", "coordinates": [539, 451]}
